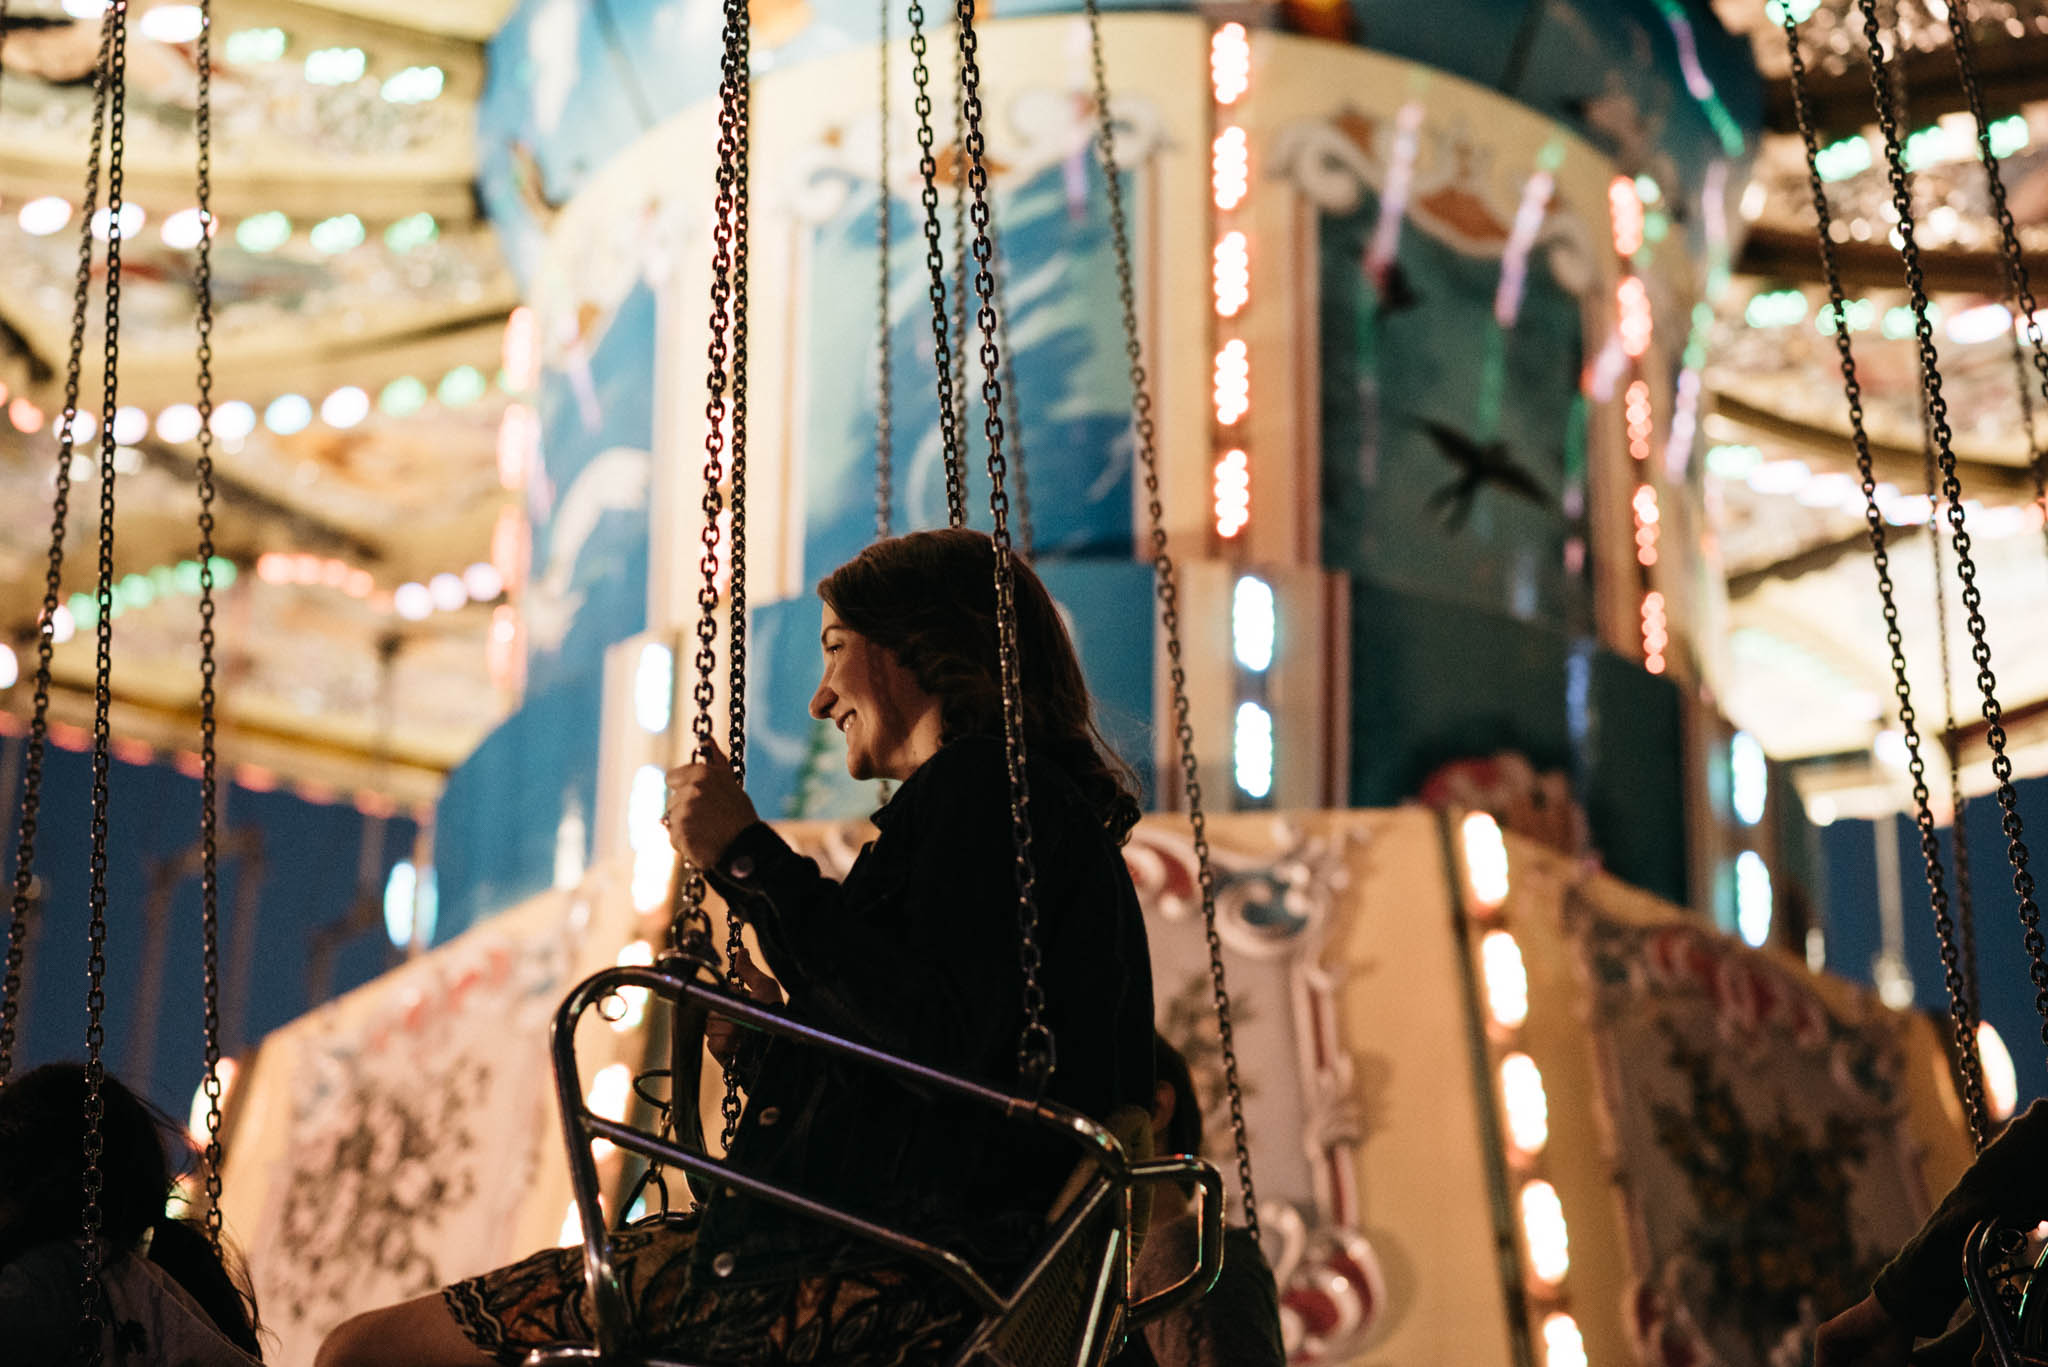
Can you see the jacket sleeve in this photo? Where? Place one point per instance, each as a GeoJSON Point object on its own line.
{"type": "Point", "coordinates": [1921, 1287]}
{"type": "Point", "coordinates": [921, 956]}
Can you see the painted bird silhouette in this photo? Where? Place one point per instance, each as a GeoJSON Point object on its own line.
{"type": "Point", "coordinates": [1478, 466]}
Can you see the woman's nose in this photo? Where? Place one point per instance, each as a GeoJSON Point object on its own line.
{"type": "Point", "coordinates": [822, 700]}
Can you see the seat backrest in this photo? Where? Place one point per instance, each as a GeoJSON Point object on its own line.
{"type": "Point", "coordinates": [1132, 1127]}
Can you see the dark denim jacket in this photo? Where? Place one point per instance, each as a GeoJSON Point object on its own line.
{"type": "Point", "coordinates": [916, 952]}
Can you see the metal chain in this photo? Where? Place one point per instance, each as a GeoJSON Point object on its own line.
{"type": "Point", "coordinates": [53, 578]}
{"type": "Point", "coordinates": [739, 37]}
{"type": "Point", "coordinates": [935, 260]}
{"type": "Point", "coordinates": [17, 927]}
{"type": "Point", "coordinates": [961, 276]}
{"type": "Point", "coordinates": [885, 417]}
{"type": "Point", "coordinates": [1966, 570]}
{"type": "Point", "coordinates": [209, 759]}
{"type": "Point", "coordinates": [1146, 436]}
{"type": "Point", "coordinates": [1037, 1054]}
{"type": "Point", "coordinates": [2018, 287]}
{"type": "Point", "coordinates": [1959, 843]}
{"type": "Point", "coordinates": [1013, 425]}
{"type": "Point", "coordinates": [1962, 1038]}
{"type": "Point", "coordinates": [112, 78]}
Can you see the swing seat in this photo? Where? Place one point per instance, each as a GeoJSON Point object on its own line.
{"type": "Point", "coordinates": [2015, 1332]}
{"type": "Point", "coordinates": [1070, 1307]}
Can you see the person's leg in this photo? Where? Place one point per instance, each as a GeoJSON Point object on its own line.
{"type": "Point", "coordinates": [415, 1333]}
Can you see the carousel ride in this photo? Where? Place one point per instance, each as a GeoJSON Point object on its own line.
{"type": "Point", "coordinates": [1356, 206]}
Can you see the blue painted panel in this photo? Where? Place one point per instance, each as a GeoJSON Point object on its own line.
{"type": "Point", "coordinates": [588, 507]}
{"type": "Point", "coordinates": [310, 854]}
{"type": "Point", "coordinates": [495, 827]}
{"type": "Point", "coordinates": [1658, 83]}
{"type": "Point", "coordinates": [1066, 334]}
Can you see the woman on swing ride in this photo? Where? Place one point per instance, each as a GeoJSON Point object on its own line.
{"type": "Point", "coordinates": [915, 952]}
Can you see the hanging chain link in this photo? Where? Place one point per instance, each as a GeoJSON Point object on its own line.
{"type": "Point", "coordinates": [53, 578]}
{"type": "Point", "coordinates": [1959, 842]}
{"type": "Point", "coordinates": [736, 565]}
{"type": "Point", "coordinates": [1013, 425]}
{"type": "Point", "coordinates": [1963, 1040]}
{"type": "Point", "coordinates": [950, 437]}
{"type": "Point", "coordinates": [2018, 287]}
{"type": "Point", "coordinates": [1146, 435]}
{"type": "Point", "coordinates": [112, 77]}
{"type": "Point", "coordinates": [209, 759]}
{"type": "Point", "coordinates": [961, 276]}
{"type": "Point", "coordinates": [17, 914]}
{"type": "Point", "coordinates": [885, 418]}
{"type": "Point", "coordinates": [1966, 570]}
{"type": "Point", "coordinates": [1037, 1054]}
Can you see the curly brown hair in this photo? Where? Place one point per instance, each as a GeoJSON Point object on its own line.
{"type": "Point", "coordinates": [929, 599]}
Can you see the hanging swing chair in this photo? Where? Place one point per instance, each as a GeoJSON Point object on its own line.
{"type": "Point", "coordinates": [109, 117]}
{"type": "Point", "coordinates": [1071, 1305]}
{"type": "Point", "coordinates": [2012, 1316]}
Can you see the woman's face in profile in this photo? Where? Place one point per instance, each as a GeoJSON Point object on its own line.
{"type": "Point", "coordinates": [890, 723]}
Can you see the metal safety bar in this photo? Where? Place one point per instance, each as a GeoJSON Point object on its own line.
{"type": "Point", "coordinates": [676, 981]}
{"type": "Point", "coordinates": [2005, 1329]}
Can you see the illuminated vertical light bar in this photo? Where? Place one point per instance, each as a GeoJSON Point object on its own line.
{"type": "Point", "coordinates": [1644, 505]}
{"type": "Point", "coordinates": [1656, 632]}
{"type": "Point", "coordinates": [1514, 259]}
{"type": "Point", "coordinates": [1634, 328]}
{"type": "Point", "coordinates": [1636, 408]}
{"type": "Point", "coordinates": [1486, 861]}
{"type": "Point", "coordinates": [1230, 75]}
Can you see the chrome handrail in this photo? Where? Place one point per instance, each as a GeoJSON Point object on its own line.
{"type": "Point", "coordinates": [1112, 1180]}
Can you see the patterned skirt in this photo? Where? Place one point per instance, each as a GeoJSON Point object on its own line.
{"type": "Point", "coordinates": [893, 1315]}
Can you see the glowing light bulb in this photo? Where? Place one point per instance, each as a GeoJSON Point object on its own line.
{"type": "Point", "coordinates": [1486, 860]}
{"type": "Point", "coordinates": [1527, 1107]}
{"type": "Point", "coordinates": [178, 424]}
{"type": "Point", "coordinates": [412, 601]}
{"type": "Point", "coordinates": [1231, 274]}
{"type": "Point", "coordinates": [1252, 623]}
{"type": "Point", "coordinates": [1752, 898]}
{"type": "Point", "coordinates": [41, 217]}
{"type": "Point", "coordinates": [1233, 497]}
{"type": "Point", "coordinates": [654, 683]}
{"type": "Point", "coordinates": [1544, 1232]}
{"type": "Point", "coordinates": [288, 413]}
{"type": "Point", "coordinates": [1253, 750]}
{"type": "Point", "coordinates": [1232, 382]}
{"type": "Point", "coordinates": [2001, 1081]}
{"type": "Point", "coordinates": [345, 407]}
{"type": "Point", "coordinates": [1230, 168]}
{"type": "Point", "coordinates": [1563, 1344]}
{"type": "Point", "coordinates": [184, 229]}
{"type": "Point", "coordinates": [1230, 62]}
{"type": "Point", "coordinates": [1507, 981]}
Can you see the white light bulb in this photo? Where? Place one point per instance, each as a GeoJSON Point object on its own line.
{"type": "Point", "coordinates": [172, 23]}
{"type": "Point", "coordinates": [41, 217]}
{"type": "Point", "coordinates": [448, 591]}
{"type": "Point", "coordinates": [131, 425]}
{"type": "Point", "coordinates": [233, 420]}
{"type": "Point", "coordinates": [288, 413]}
{"type": "Point", "coordinates": [345, 407]}
{"type": "Point", "coordinates": [178, 424]}
{"type": "Point", "coordinates": [482, 581]}
{"type": "Point", "coordinates": [412, 601]}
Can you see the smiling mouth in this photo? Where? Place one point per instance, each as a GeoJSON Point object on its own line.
{"type": "Point", "coordinates": [843, 720]}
